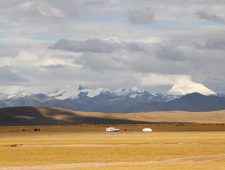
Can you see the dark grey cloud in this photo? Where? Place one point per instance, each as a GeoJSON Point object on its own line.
{"type": "Point", "coordinates": [148, 61]}
{"type": "Point", "coordinates": [210, 17]}
{"type": "Point", "coordinates": [91, 45]}
{"type": "Point", "coordinates": [101, 62]}
{"type": "Point", "coordinates": [212, 43]}
{"type": "Point", "coordinates": [97, 46]}
{"type": "Point", "coordinates": [173, 56]}
{"type": "Point", "coordinates": [9, 77]}
{"type": "Point", "coordinates": [169, 53]}
{"type": "Point", "coordinates": [141, 16]}
{"type": "Point", "coordinates": [51, 66]}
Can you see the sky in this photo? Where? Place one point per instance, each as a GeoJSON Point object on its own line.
{"type": "Point", "coordinates": [151, 44]}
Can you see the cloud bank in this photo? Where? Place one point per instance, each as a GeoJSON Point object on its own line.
{"type": "Point", "coordinates": [50, 44]}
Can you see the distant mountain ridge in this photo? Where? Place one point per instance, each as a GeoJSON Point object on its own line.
{"type": "Point", "coordinates": [28, 115]}
{"type": "Point", "coordinates": [122, 100]}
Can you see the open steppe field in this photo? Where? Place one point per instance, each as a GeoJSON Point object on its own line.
{"type": "Point", "coordinates": [106, 151]}
{"type": "Point", "coordinates": [156, 126]}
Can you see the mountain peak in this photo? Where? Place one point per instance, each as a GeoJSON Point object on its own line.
{"type": "Point", "coordinates": [84, 90]}
{"type": "Point", "coordinates": [183, 88]}
{"type": "Point", "coordinates": [136, 89]}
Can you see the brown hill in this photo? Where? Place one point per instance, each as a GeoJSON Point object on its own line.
{"type": "Point", "coordinates": [28, 115]}
{"type": "Point", "coordinates": [56, 116]}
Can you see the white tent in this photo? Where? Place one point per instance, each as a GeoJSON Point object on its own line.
{"type": "Point", "coordinates": [112, 129]}
{"type": "Point", "coordinates": [147, 130]}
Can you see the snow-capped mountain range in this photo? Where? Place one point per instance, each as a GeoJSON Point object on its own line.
{"type": "Point", "coordinates": [121, 100]}
{"type": "Point", "coordinates": [62, 94]}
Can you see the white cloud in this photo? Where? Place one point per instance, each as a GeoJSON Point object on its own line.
{"type": "Point", "coordinates": [154, 79]}
{"type": "Point", "coordinates": [41, 8]}
{"type": "Point", "coordinates": [141, 16]}
{"type": "Point", "coordinates": [36, 58]}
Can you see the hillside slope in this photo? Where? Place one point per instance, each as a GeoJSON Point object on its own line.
{"type": "Point", "coordinates": [55, 116]}
{"type": "Point", "coordinates": [28, 115]}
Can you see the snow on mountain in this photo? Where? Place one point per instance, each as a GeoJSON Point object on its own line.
{"type": "Point", "coordinates": [133, 96]}
{"type": "Point", "coordinates": [83, 90]}
{"type": "Point", "coordinates": [67, 92]}
{"type": "Point", "coordinates": [60, 94]}
{"type": "Point", "coordinates": [135, 93]}
{"type": "Point", "coordinates": [187, 87]}
{"type": "Point", "coordinates": [132, 92]}
{"type": "Point", "coordinates": [159, 97]}
{"type": "Point", "coordinates": [122, 100]}
{"type": "Point", "coordinates": [19, 94]}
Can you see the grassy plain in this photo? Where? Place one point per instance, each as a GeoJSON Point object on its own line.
{"type": "Point", "coordinates": [72, 140]}
{"type": "Point", "coordinates": [110, 151]}
{"type": "Point", "coordinates": [157, 127]}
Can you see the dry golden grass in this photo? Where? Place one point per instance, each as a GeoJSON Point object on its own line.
{"type": "Point", "coordinates": [121, 151]}
{"type": "Point", "coordinates": [54, 116]}
{"type": "Point", "coordinates": [88, 147]}
{"type": "Point", "coordinates": [216, 165]}
{"type": "Point", "coordinates": [170, 116]}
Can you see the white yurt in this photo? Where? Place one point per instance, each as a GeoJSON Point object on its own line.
{"type": "Point", "coordinates": [147, 130]}
{"type": "Point", "coordinates": [112, 129]}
